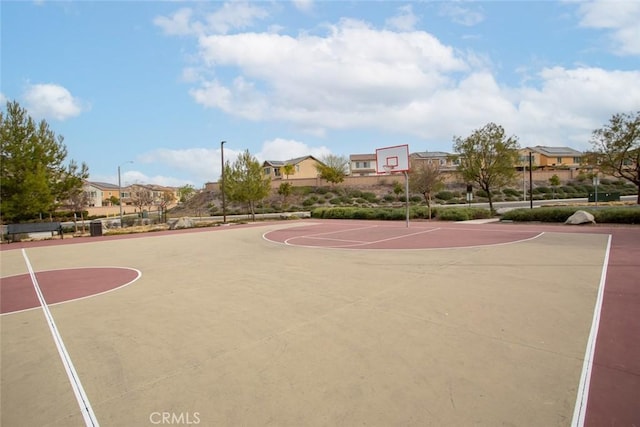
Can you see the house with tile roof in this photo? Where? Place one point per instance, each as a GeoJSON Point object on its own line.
{"type": "Point", "coordinates": [100, 193]}
{"type": "Point", "coordinates": [443, 159]}
{"type": "Point", "coordinates": [304, 167]}
{"type": "Point", "coordinates": [551, 157]}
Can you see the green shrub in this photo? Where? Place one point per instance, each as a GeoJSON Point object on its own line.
{"type": "Point", "coordinates": [481, 193]}
{"type": "Point", "coordinates": [511, 192]}
{"type": "Point", "coordinates": [454, 214]}
{"type": "Point", "coordinates": [389, 198]}
{"type": "Point", "coordinates": [369, 197]}
{"type": "Point", "coordinates": [415, 199]}
{"type": "Point", "coordinates": [353, 193]}
{"type": "Point", "coordinates": [444, 195]}
{"type": "Point", "coordinates": [310, 201]}
{"type": "Point", "coordinates": [336, 201]}
{"type": "Point", "coordinates": [620, 215]}
{"type": "Point", "coordinates": [617, 215]}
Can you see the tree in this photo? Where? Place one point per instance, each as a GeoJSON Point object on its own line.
{"type": "Point", "coordinates": [285, 191]}
{"type": "Point", "coordinates": [185, 193]}
{"type": "Point", "coordinates": [288, 169]}
{"type": "Point", "coordinates": [77, 201]}
{"type": "Point", "coordinates": [333, 168]}
{"type": "Point", "coordinates": [426, 179]}
{"type": "Point", "coordinates": [140, 196]}
{"type": "Point", "coordinates": [34, 177]}
{"type": "Point", "coordinates": [555, 182]}
{"type": "Point", "coordinates": [244, 181]}
{"type": "Point", "coordinates": [616, 147]}
{"type": "Point", "coordinates": [488, 158]}
{"type": "Point", "coordinates": [398, 189]}
{"type": "Point", "coordinates": [165, 200]}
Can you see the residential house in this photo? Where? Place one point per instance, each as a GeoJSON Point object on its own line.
{"type": "Point", "coordinates": [551, 157]}
{"type": "Point", "coordinates": [442, 159]}
{"type": "Point", "coordinates": [304, 167]}
{"type": "Point", "coordinates": [362, 164]}
{"type": "Point", "coordinates": [100, 193]}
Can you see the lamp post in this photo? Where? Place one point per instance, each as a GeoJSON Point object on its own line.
{"type": "Point", "coordinates": [120, 191]}
{"type": "Point", "coordinates": [224, 207]}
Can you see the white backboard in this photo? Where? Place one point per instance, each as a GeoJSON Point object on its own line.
{"type": "Point", "coordinates": [392, 159]}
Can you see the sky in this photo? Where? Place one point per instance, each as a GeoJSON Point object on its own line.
{"type": "Point", "coordinates": [153, 87]}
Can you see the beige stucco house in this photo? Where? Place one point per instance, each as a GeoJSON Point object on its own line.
{"type": "Point", "coordinates": [362, 164]}
{"type": "Point", "coordinates": [303, 167]}
{"type": "Point", "coordinates": [551, 157]}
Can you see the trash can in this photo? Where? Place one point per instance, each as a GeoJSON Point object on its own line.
{"type": "Point", "coordinates": [95, 228]}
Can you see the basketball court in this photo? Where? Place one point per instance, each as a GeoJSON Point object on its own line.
{"type": "Point", "coordinates": [322, 323]}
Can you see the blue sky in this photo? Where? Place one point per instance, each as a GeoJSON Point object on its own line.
{"type": "Point", "coordinates": [160, 84]}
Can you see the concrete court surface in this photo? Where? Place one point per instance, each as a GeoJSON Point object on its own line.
{"type": "Point", "coordinates": [225, 328]}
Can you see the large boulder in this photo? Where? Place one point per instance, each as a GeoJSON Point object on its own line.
{"type": "Point", "coordinates": [181, 223]}
{"type": "Point", "coordinates": [580, 217]}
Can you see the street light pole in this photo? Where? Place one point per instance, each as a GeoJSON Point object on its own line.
{"type": "Point", "coordinates": [120, 192]}
{"type": "Point", "coordinates": [224, 207]}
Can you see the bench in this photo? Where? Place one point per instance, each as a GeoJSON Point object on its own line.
{"type": "Point", "coordinates": [34, 227]}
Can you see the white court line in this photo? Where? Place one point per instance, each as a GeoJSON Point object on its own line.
{"type": "Point", "coordinates": [396, 237]}
{"type": "Point", "coordinates": [580, 410]}
{"type": "Point", "coordinates": [355, 242]}
{"type": "Point", "coordinates": [353, 247]}
{"type": "Point", "coordinates": [85, 406]}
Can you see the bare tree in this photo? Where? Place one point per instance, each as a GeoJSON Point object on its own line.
{"type": "Point", "coordinates": [333, 168]}
{"type": "Point", "coordinates": [425, 178]}
{"type": "Point", "coordinates": [140, 196]}
{"type": "Point", "coordinates": [78, 200]}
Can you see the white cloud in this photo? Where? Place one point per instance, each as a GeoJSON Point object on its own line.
{"type": "Point", "coordinates": [202, 163]}
{"type": "Point", "coordinates": [3, 99]}
{"type": "Point", "coordinates": [52, 101]}
{"type": "Point", "coordinates": [303, 5]}
{"type": "Point", "coordinates": [355, 76]}
{"type": "Point", "coordinates": [571, 103]}
{"type": "Point", "coordinates": [231, 16]}
{"type": "Point", "coordinates": [622, 18]}
{"type": "Point", "coordinates": [462, 15]}
{"type": "Point", "coordinates": [336, 81]}
{"type": "Point", "coordinates": [405, 20]}
{"type": "Point", "coordinates": [285, 149]}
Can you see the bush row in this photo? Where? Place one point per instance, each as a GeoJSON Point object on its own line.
{"type": "Point", "coordinates": [613, 215]}
{"type": "Point", "coordinates": [396, 214]}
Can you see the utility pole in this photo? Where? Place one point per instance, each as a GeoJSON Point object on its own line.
{"type": "Point", "coordinates": [224, 207]}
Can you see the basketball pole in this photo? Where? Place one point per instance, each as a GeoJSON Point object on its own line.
{"type": "Point", "coordinates": [406, 193]}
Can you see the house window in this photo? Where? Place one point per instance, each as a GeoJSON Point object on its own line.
{"type": "Point", "coordinates": [267, 171]}
{"type": "Point", "coordinates": [577, 160]}
{"type": "Point", "coordinates": [297, 168]}
{"type": "Point", "coordinates": [559, 160]}
{"type": "Point", "coordinates": [363, 165]}
{"type": "Point", "coordinates": [276, 171]}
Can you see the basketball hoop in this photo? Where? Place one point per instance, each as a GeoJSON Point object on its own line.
{"type": "Point", "coordinates": [388, 169]}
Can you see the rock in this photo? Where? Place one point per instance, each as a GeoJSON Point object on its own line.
{"type": "Point", "coordinates": [181, 223]}
{"type": "Point", "coordinates": [580, 217]}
